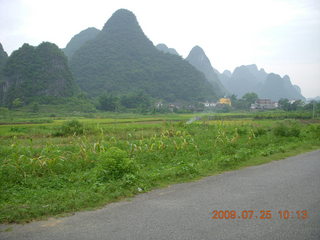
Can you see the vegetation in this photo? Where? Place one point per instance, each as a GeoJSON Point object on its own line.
{"type": "Point", "coordinates": [36, 73]}
{"type": "Point", "coordinates": [245, 102]}
{"type": "Point", "coordinates": [78, 40]}
{"type": "Point", "coordinates": [56, 167]}
{"type": "Point", "coordinates": [121, 60]}
{"type": "Point", "coordinates": [3, 60]}
{"type": "Point", "coordinates": [108, 103]}
{"type": "Point", "coordinates": [200, 61]}
{"type": "Point", "coordinates": [139, 101]}
{"type": "Point", "coordinates": [62, 150]}
{"type": "Point", "coordinates": [285, 104]}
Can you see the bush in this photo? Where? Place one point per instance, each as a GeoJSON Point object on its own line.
{"type": "Point", "coordinates": [242, 131]}
{"type": "Point", "coordinates": [259, 131]}
{"type": "Point", "coordinates": [314, 131]}
{"type": "Point", "coordinates": [73, 127]}
{"type": "Point", "coordinates": [287, 129]}
{"type": "Point", "coordinates": [184, 168]}
{"type": "Point", "coordinates": [114, 164]}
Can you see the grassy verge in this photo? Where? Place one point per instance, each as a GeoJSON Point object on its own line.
{"type": "Point", "coordinates": [77, 166]}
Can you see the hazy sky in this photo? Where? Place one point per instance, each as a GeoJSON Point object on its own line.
{"type": "Point", "coordinates": [281, 36]}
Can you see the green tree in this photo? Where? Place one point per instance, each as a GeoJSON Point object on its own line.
{"type": "Point", "coordinates": [108, 103]}
{"type": "Point", "coordinates": [242, 104]}
{"type": "Point", "coordinates": [296, 105]}
{"type": "Point", "coordinates": [136, 100]}
{"type": "Point", "coordinates": [250, 98]}
{"type": "Point", "coordinates": [284, 104]}
{"type": "Point", "coordinates": [233, 100]}
{"type": "Point", "coordinates": [35, 107]}
{"type": "Point", "coordinates": [245, 102]}
{"type": "Point", "coordinates": [311, 105]}
{"type": "Point", "coordinates": [17, 103]}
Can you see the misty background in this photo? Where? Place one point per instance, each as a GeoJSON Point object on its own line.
{"type": "Point", "coordinates": [280, 36]}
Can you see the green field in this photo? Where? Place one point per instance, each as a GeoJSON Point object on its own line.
{"type": "Point", "coordinates": [55, 165]}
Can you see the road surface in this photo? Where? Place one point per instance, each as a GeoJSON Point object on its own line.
{"type": "Point", "coordinates": [184, 211]}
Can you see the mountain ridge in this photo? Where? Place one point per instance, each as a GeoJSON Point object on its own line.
{"type": "Point", "coordinates": [3, 61]}
{"type": "Point", "coordinates": [122, 58]}
{"type": "Point", "coordinates": [31, 73]}
{"type": "Point", "coordinates": [199, 60]}
{"type": "Point", "coordinates": [164, 48]}
{"type": "Point", "coordinates": [79, 39]}
{"type": "Point", "coordinates": [248, 78]}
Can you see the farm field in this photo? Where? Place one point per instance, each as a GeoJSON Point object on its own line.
{"type": "Point", "coordinates": [53, 166]}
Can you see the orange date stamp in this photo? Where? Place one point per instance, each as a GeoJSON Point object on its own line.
{"type": "Point", "coordinates": [259, 214]}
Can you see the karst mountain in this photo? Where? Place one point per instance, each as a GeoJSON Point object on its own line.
{"type": "Point", "coordinates": [121, 59]}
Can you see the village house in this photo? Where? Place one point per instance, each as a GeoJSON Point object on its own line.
{"type": "Point", "coordinates": [264, 104]}
{"type": "Point", "coordinates": [158, 104]}
{"type": "Point", "coordinates": [209, 104]}
{"type": "Point", "coordinates": [226, 101]}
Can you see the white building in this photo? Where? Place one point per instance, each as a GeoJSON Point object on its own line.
{"type": "Point", "coordinates": [209, 104]}
{"type": "Point", "coordinates": [264, 104]}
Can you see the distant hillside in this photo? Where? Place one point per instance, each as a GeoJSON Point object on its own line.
{"type": "Point", "coordinates": [36, 72]}
{"type": "Point", "coordinates": [78, 40]}
{"type": "Point", "coordinates": [200, 61]}
{"type": "Point", "coordinates": [314, 99]}
{"type": "Point", "coordinates": [248, 78]}
{"type": "Point", "coordinates": [162, 47]}
{"type": "Point", "coordinates": [276, 88]}
{"type": "Point", "coordinates": [3, 57]}
{"type": "Point", "coordinates": [121, 60]}
{"type": "Point", "coordinates": [227, 73]}
{"type": "Point", "coordinates": [244, 79]}
{"type": "Point", "coordinates": [3, 60]}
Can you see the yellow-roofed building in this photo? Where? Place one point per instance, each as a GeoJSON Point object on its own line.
{"type": "Point", "coordinates": [225, 101]}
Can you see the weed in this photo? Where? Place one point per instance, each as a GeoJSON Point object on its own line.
{"type": "Point", "coordinates": [287, 129]}
{"type": "Point", "coordinates": [93, 162]}
{"type": "Point", "coordinates": [113, 164]}
{"type": "Point", "coordinates": [73, 127]}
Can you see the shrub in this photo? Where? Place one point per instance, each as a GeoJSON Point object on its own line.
{"type": "Point", "coordinates": [73, 127]}
{"type": "Point", "coordinates": [113, 164]}
{"type": "Point", "coordinates": [314, 131]}
{"type": "Point", "coordinates": [287, 129]}
{"type": "Point", "coordinates": [185, 168]}
{"type": "Point", "coordinates": [17, 129]}
{"type": "Point", "coordinates": [242, 131]}
{"type": "Point", "coordinates": [259, 131]}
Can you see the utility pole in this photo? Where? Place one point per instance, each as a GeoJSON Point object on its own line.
{"type": "Point", "coordinates": [313, 109]}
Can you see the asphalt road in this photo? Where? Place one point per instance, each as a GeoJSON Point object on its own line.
{"type": "Point", "coordinates": [184, 211]}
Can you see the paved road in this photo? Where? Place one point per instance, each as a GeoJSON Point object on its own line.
{"type": "Point", "coordinates": [183, 211]}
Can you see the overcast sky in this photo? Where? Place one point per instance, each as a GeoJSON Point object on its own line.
{"type": "Point", "coordinates": [281, 36]}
